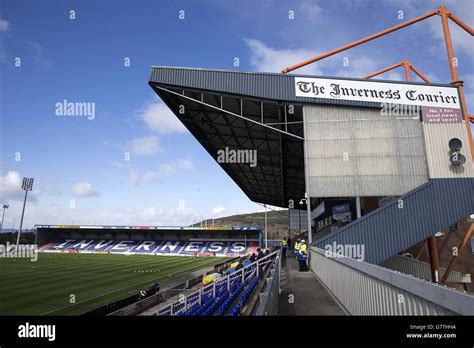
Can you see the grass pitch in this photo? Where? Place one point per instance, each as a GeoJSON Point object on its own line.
{"type": "Point", "coordinates": [46, 286]}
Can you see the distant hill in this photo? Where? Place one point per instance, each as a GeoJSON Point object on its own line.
{"type": "Point", "coordinates": [277, 222]}
{"type": "Point", "coordinates": [25, 238]}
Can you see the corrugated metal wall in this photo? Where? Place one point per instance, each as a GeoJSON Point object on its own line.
{"type": "Point", "coordinates": [356, 151]}
{"type": "Point", "coordinates": [437, 138]}
{"type": "Point", "coordinates": [364, 289]}
{"type": "Point", "coordinates": [410, 219]}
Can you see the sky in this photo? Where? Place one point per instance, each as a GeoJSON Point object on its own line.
{"type": "Point", "coordinates": [131, 162]}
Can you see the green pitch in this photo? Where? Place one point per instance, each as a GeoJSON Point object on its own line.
{"type": "Point", "coordinates": [45, 287]}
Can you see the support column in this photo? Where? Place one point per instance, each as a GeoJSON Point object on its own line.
{"type": "Point", "coordinates": [434, 261]}
{"type": "Point", "coordinates": [454, 73]}
{"type": "Point", "coordinates": [307, 189]}
{"type": "Point", "coordinates": [451, 265]}
{"type": "Point", "coordinates": [358, 210]}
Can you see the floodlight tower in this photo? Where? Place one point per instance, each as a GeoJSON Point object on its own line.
{"type": "Point", "coordinates": [5, 207]}
{"type": "Point", "coordinates": [27, 185]}
{"type": "Point", "coordinates": [266, 230]}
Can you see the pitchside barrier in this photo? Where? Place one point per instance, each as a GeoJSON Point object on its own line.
{"type": "Point", "coordinates": [257, 268]}
{"type": "Point", "coordinates": [366, 289]}
{"type": "Point", "coordinates": [134, 304]}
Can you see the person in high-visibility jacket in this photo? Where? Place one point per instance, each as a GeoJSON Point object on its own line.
{"type": "Point", "coordinates": [302, 255]}
{"type": "Point", "coordinates": [284, 247]}
{"type": "Point", "coordinates": [297, 247]}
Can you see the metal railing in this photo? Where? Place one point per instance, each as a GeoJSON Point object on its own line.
{"type": "Point", "coordinates": [267, 302]}
{"type": "Point", "coordinates": [247, 272]}
{"type": "Point", "coordinates": [422, 269]}
{"type": "Point", "coordinates": [366, 289]}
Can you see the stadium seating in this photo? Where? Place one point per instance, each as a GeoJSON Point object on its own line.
{"type": "Point", "coordinates": [154, 247]}
{"type": "Point", "coordinates": [227, 296]}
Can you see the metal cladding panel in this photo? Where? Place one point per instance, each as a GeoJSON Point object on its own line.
{"type": "Point", "coordinates": [437, 138]}
{"type": "Point", "coordinates": [364, 289]}
{"type": "Point", "coordinates": [298, 219]}
{"type": "Point", "coordinates": [409, 220]}
{"type": "Point", "coordinates": [355, 151]}
{"type": "Point", "coordinates": [270, 86]}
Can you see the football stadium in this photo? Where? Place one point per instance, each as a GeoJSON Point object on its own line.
{"type": "Point", "coordinates": [103, 268]}
{"type": "Point", "coordinates": [374, 178]}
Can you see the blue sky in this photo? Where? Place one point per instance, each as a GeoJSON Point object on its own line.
{"type": "Point", "coordinates": [78, 164]}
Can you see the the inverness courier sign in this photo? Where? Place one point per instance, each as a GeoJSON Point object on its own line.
{"type": "Point", "coordinates": [379, 92]}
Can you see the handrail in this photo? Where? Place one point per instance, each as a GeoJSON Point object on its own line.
{"type": "Point", "coordinates": [241, 272]}
{"type": "Point", "coordinates": [450, 300]}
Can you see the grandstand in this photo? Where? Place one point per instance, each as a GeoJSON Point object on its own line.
{"type": "Point", "coordinates": [150, 240]}
{"type": "Point", "coordinates": [378, 167]}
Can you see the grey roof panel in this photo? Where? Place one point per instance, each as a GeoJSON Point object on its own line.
{"type": "Point", "coordinates": [272, 86]}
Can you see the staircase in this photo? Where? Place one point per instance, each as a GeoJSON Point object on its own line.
{"type": "Point", "coordinates": [407, 220]}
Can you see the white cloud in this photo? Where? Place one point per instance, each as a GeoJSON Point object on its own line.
{"type": "Point", "coordinates": [185, 164]}
{"type": "Point", "coordinates": [144, 146]}
{"type": "Point", "coordinates": [61, 214]}
{"type": "Point", "coordinates": [138, 179]}
{"type": "Point", "coordinates": [171, 168]}
{"type": "Point", "coordinates": [117, 164]}
{"type": "Point", "coordinates": [84, 190]}
{"type": "Point", "coordinates": [358, 67]}
{"type": "Point", "coordinates": [265, 58]}
{"type": "Point", "coordinates": [3, 25]}
{"type": "Point", "coordinates": [39, 54]}
{"type": "Point", "coordinates": [159, 118]}
{"type": "Point", "coordinates": [310, 9]}
{"type": "Point", "coordinates": [10, 187]}
{"type": "Point", "coordinates": [395, 76]}
{"type": "Point", "coordinates": [218, 210]}
{"type": "Point", "coordinates": [168, 168]}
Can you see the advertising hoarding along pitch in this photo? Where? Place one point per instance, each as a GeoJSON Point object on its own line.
{"type": "Point", "coordinates": [378, 92]}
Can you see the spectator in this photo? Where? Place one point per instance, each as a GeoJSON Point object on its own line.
{"type": "Point", "coordinates": [302, 256]}
{"type": "Point", "coordinates": [284, 244]}
{"type": "Point", "coordinates": [253, 257]}
{"type": "Point", "coordinates": [260, 254]}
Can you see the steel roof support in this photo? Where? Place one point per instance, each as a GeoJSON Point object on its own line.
{"type": "Point", "coordinates": [404, 63]}
{"type": "Point", "coordinates": [463, 243]}
{"type": "Point", "coordinates": [228, 112]}
{"type": "Point", "coordinates": [445, 14]}
{"type": "Point", "coordinates": [360, 42]}
{"type": "Point", "coordinates": [454, 72]}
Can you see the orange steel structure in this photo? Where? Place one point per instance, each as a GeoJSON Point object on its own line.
{"type": "Point", "coordinates": [445, 14]}
{"type": "Point", "coordinates": [407, 67]}
{"type": "Point", "coordinates": [461, 246]}
{"type": "Point", "coordinates": [430, 241]}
